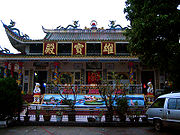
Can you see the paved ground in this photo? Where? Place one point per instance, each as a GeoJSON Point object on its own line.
{"type": "Point", "coordinates": [56, 130]}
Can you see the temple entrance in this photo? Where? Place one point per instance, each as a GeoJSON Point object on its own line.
{"type": "Point", "coordinates": [147, 76]}
{"type": "Point", "coordinates": [41, 78]}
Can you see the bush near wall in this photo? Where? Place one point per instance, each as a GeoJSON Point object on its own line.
{"type": "Point", "coordinates": [28, 98]}
{"type": "Point", "coordinates": [10, 98]}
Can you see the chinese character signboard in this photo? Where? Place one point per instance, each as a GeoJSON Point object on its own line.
{"type": "Point", "coordinates": [108, 48]}
{"type": "Point", "coordinates": [78, 48]}
{"type": "Point", "coordinates": [49, 48]}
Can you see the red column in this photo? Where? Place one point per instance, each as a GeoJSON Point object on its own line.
{"type": "Point", "coordinates": [20, 73]}
{"type": "Point", "coordinates": [12, 70]}
{"type": "Point", "coordinates": [56, 72]}
{"type": "Point", "coordinates": [5, 69]}
{"type": "Point", "coordinates": [131, 73]}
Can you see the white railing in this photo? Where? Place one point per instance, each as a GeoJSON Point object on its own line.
{"type": "Point", "coordinates": [85, 89]}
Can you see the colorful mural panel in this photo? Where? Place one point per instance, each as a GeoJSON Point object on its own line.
{"type": "Point", "coordinates": [85, 100]}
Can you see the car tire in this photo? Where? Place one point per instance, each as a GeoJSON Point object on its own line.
{"type": "Point", "coordinates": [158, 125]}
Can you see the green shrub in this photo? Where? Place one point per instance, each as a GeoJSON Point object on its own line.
{"type": "Point", "coordinates": [10, 98]}
{"type": "Point", "coordinates": [122, 105]}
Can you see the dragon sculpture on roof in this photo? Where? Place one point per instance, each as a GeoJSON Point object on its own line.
{"type": "Point", "coordinates": [5, 50]}
{"type": "Point", "coordinates": [17, 31]}
{"type": "Point", "coordinates": [74, 26]}
{"type": "Point", "coordinates": [113, 26]}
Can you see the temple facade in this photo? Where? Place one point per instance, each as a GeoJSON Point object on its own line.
{"type": "Point", "coordinates": [70, 55]}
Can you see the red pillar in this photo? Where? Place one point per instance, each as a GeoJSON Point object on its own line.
{"type": "Point", "coordinates": [5, 69]}
{"type": "Point", "coordinates": [20, 73]}
{"type": "Point", "coordinates": [12, 70]}
{"type": "Point", "coordinates": [56, 72]}
{"type": "Point", "coordinates": [131, 73]}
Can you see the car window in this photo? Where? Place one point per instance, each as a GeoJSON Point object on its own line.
{"type": "Point", "coordinates": [172, 103]}
{"type": "Point", "coordinates": [159, 103]}
{"type": "Point", "coordinates": [178, 104]}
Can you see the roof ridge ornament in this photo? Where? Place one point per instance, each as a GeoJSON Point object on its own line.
{"type": "Point", "coordinates": [113, 26]}
{"type": "Point", "coordinates": [70, 26]}
{"type": "Point", "coordinates": [5, 50]}
{"type": "Point", "coordinates": [94, 25]}
{"type": "Point", "coordinates": [16, 31]}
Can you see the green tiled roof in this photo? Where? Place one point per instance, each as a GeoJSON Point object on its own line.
{"type": "Point", "coordinates": [84, 35]}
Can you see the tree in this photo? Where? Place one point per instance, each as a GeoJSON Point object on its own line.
{"type": "Point", "coordinates": [10, 98]}
{"type": "Point", "coordinates": [154, 33]}
{"type": "Point", "coordinates": [109, 93]}
{"type": "Point", "coordinates": [70, 101]}
{"type": "Point", "coordinates": [106, 93]}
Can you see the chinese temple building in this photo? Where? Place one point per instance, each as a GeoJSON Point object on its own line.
{"type": "Point", "coordinates": [70, 55]}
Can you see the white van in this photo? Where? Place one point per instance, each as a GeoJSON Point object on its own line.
{"type": "Point", "coordinates": [165, 111]}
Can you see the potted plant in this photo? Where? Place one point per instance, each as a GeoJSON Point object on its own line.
{"type": "Point", "coordinates": [59, 116]}
{"type": "Point", "coordinates": [70, 101]}
{"type": "Point", "coordinates": [37, 114]}
{"type": "Point", "coordinates": [131, 115]}
{"type": "Point", "coordinates": [137, 112]}
{"type": "Point", "coordinates": [121, 108]}
{"type": "Point", "coordinates": [27, 117]}
{"type": "Point", "coordinates": [137, 116]}
{"type": "Point", "coordinates": [99, 116]}
{"type": "Point", "coordinates": [131, 118]}
{"type": "Point", "coordinates": [106, 93]}
{"type": "Point", "coordinates": [47, 115]}
{"type": "Point", "coordinates": [91, 118]}
{"type": "Point", "coordinates": [71, 109]}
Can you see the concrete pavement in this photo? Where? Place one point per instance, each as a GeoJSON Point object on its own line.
{"type": "Point", "coordinates": [60, 130]}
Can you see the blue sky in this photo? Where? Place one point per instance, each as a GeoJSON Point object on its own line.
{"type": "Point", "coordinates": [30, 16]}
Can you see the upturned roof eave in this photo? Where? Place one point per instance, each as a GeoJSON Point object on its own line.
{"type": "Point", "coordinates": [21, 41]}
{"type": "Point", "coordinates": [24, 41]}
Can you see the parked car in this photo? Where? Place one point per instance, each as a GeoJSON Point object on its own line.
{"type": "Point", "coordinates": [165, 111]}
